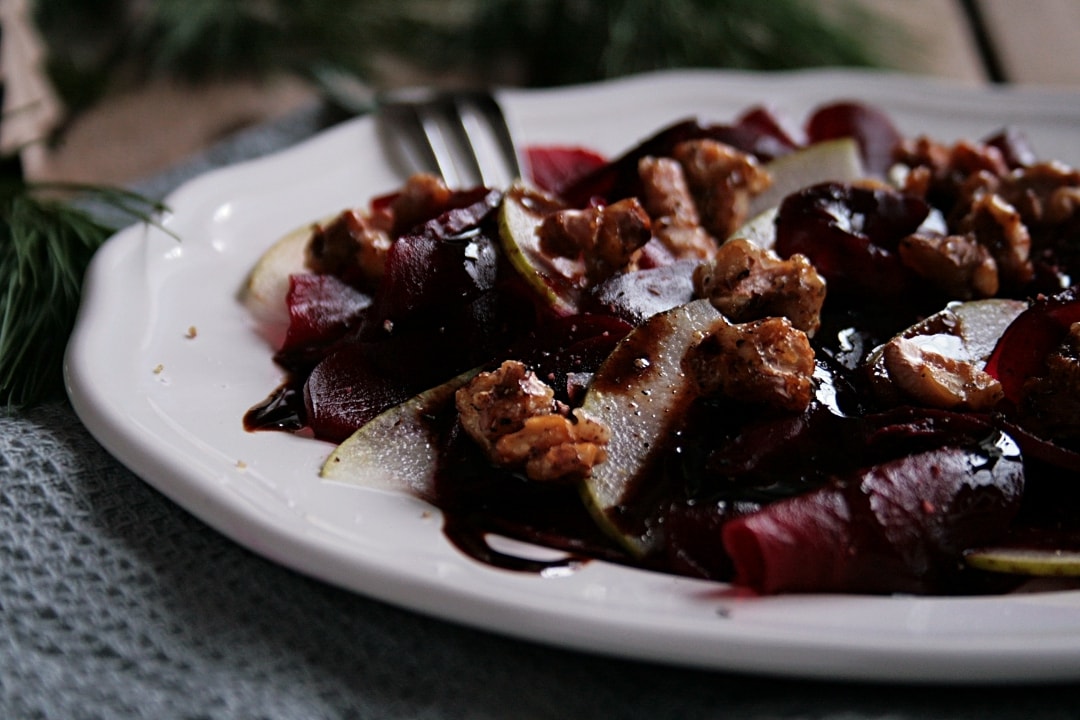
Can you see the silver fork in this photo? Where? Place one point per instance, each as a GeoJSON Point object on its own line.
{"type": "Point", "coordinates": [461, 135]}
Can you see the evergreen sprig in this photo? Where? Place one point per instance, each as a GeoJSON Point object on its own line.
{"type": "Point", "coordinates": [45, 247]}
{"type": "Point", "coordinates": [523, 42]}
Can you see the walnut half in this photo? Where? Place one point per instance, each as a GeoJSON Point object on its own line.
{"type": "Point", "coordinates": [514, 417]}
{"type": "Point", "coordinates": [764, 362]}
{"type": "Point", "coordinates": [746, 282]}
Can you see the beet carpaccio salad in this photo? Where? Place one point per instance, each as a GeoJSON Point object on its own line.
{"type": "Point", "coordinates": [824, 359]}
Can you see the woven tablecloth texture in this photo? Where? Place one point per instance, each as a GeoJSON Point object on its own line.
{"type": "Point", "coordinates": [115, 603]}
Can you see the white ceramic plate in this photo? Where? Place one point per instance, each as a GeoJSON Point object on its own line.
{"type": "Point", "coordinates": [164, 362]}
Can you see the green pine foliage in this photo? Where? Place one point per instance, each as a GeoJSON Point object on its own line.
{"type": "Point", "coordinates": [523, 42]}
{"type": "Point", "coordinates": [45, 247]}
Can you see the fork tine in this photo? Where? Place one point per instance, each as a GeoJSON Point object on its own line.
{"type": "Point", "coordinates": [463, 137]}
{"type": "Point", "coordinates": [448, 134]}
{"type": "Point", "coordinates": [402, 132]}
{"type": "Point", "coordinates": [490, 138]}
{"type": "Point", "coordinates": [497, 119]}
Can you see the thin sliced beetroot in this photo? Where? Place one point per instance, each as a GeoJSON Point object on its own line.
{"type": "Point", "coordinates": [802, 475]}
{"type": "Point", "coordinates": [872, 129]}
{"type": "Point", "coordinates": [344, 391]}
{"type": "Point", "coordinates": [551, 168]}
{"type": "Point", "coordinates": [768, 123]}
{"type": "Point", "coordinates": [693, 544]}
{"type": "Point", "coordinates": [851, 235]}
{"type": "Point", "coordinates": [448, 260]}
{"type": "Point", "coordinates": [619, 178]}
{"type": "Point", "coordinates": [401, 364]}
{"type": "Point", "coordinates": [321, 310]}
{"type": "Point", "coordinates": [460, 337]}
{"type": "Point", "coordinates": [1035, 333]}
{"type": "Point", "coordinates": [893, 527]}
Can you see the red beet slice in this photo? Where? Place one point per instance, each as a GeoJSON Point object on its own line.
{"type": "Point", "coordinates": [344, 391]}
{"type": "Point", "coordinates": [898, 526]}
{"type": "Point", "coordinates": [766, 122]}
{"type": "Point", "coordinates": [321, 310]}
{"type": "Point", "coordinates": [851, 234]}
{"type": "Point", "coordinates": [446, 261]}
{"type": "Point", "coordinates": [1035, 333]}
{"type": "Point", "coordinates": [551, 168]}
{"type": "Point", "coordinates": [872, 129]}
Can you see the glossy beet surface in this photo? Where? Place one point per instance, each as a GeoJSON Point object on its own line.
{"type": "Point", "coordinates": [554, 168]}
{"type": "Point", "coordinates": [895, 525]}
{"type": "Point", "coordinates": [851, 235]}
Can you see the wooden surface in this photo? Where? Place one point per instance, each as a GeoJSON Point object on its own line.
{"type": "Point", "coordinates": [140, 134]}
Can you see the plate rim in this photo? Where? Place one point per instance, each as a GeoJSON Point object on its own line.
{"type": "Point", "coordinates": [111, 423]}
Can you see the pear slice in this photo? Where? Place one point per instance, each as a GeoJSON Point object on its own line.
{"type": "Point", "coordinates": [557, 280]}
{"type": "Point", "coordinates": [760, 229]}
{"type": "Point", "coordinates": [266, 286]}
{"type": "Point", "coordinates": [827, 161]}
{"type": "Point", "coordinates": [641, 393]}
{"type": "Point", "coordinates": [396, 449]}
{"type": "Point", "coordinates": [1039, 562]}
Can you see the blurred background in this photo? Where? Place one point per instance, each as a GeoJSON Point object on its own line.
{"type": "Point", "coordinates": [122, 89]}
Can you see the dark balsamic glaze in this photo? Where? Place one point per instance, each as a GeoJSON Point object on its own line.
{"type": "Point", "coordinates": [283, 410]}
{"type": "Point", "coordinates": [479, 500]}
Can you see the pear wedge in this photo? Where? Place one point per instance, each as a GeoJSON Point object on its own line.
{"type": "Point", "coordinates": [827, 161]}
{"type": "Point", "coordinates": [1037, 562]}
{"type": "Point", "coordinates": [557, 280]}
{"type": "Point", "coordinates": [264, 290]}
{"type": "Point", "coordinates": [641, 393]}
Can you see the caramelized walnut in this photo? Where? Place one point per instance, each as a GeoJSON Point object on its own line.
{"type": "Point", "coordinates": [746, 282]}
{"type": "Point", "coordinates": [969, 158]}
{"type": "Point", "coordinates": [934, 379]}
{"type": "Point", "coordinates": [496, 403]}
{"type": "Point", "coordinates": [351, 247]}
{"type": "Point", "coordinates": [514, 417]}
{"type": "Point", "coordinates": [354, 246]}
{"type": "Point", "coordinates": [1063, 204]}
{"type": "Point", "coordinates": [608, 238]}
{"type": "Point", "coordinates": [923, 152]}
{"type": "Point", "coordinates": [997, 225]}
{"type": "Point", "coordinates": [422, 197]}
{"type": "Point", "coordinates": [671, 207]}
{"type": "Point", "coordinates": [1041, 192]}
{"type": "Point", "coordinates": [956, 264]}
{"type": "Point", "coordinates": [722, 180]}
{"type": "Point", "coordinates": [950, 177]}
{"type": "Point", "coordinates": [766, 362]}
{"type": "Point", "coordinates": [554, 448]}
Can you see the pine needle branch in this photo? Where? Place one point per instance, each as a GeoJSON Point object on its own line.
{"type": "Point", "coordinates": [524, 42]}
{"type": "Point", "coordinates": [45, 247]}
